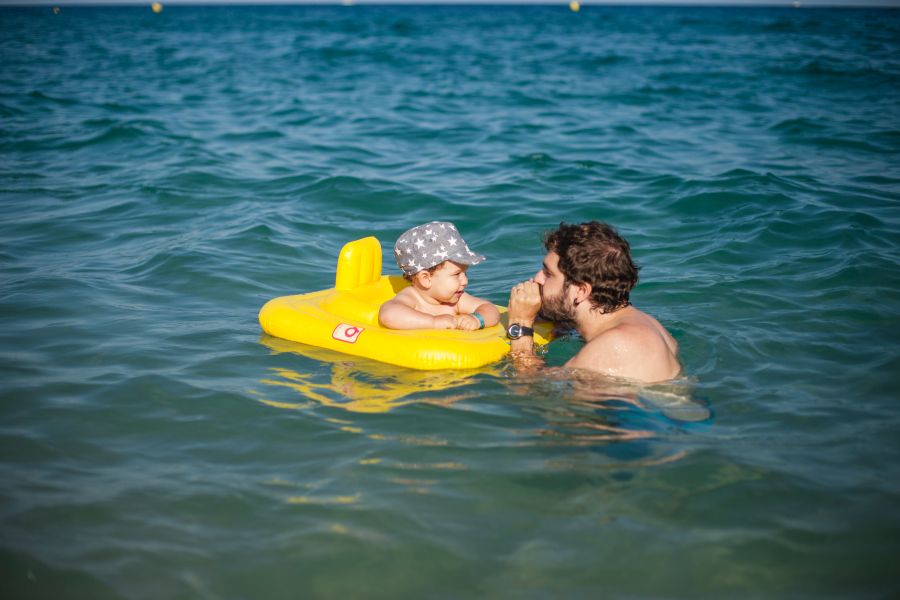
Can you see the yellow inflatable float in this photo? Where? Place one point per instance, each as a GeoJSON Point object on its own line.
{"type": "Point", "coordinates": [345, 319]}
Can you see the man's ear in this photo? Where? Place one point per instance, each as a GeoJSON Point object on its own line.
{"type": "Point", "coordinates": [582, 292]}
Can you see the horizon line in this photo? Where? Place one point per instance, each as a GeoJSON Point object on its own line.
{"type": "Point", "coordinates": [797, 4]}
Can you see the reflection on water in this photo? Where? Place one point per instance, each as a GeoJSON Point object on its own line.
{"type": "Point", "coordinates": [555, 421]}
{"type": "Point", "coordinates": [632, 424]}
{"type": "Point", "coordinates": [360, 385]}
{"type": "Point", "coordinates": [675, 399]}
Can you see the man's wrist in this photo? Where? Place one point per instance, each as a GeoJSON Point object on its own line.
{"type": "Point", "coordinates": [521, 321]}
{"type": "Point", "coordinates": [517, 315]}
{"type": "Point", "coordinates": [521, 347]}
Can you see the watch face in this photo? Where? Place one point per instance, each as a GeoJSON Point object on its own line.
{"type": "Point", "coordinates": [514, 331]}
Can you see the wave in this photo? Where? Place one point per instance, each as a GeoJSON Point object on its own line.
{"type": "Point", "coordinates": [826, 136]}
{"type": "Point", "coordinates": [798, 126]}
{"type": "Point", "coordinates": [252, 136]}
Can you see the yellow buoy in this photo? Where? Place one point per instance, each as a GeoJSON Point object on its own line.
{"type": "Point", "coordinates": [574, 6]}
{"type": "Point", "coordinates": [157, 7]}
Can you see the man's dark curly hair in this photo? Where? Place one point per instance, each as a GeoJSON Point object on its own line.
{"type": "Point", "coordinates": [595, 253]}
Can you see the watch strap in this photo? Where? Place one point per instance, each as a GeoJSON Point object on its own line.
{"type": "Point", "coordinates": [523, 331]}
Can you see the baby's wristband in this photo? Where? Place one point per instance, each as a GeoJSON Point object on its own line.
{"type": "Point", "coordinates": [480, 319]}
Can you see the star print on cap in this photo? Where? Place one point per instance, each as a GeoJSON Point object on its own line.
{"type": "Point", "coordinates": [431, 244]}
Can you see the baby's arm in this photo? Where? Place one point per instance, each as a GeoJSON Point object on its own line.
{"type": "Point", "coordinates": [469, 304]}
{"type": "Point", "coordinates": [399, 313]}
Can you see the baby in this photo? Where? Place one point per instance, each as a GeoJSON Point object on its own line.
{"type": "Point", "coordinates": [434, 258]}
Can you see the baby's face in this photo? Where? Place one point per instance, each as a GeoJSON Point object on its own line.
{"type": "Point", "coordinates": [448, 282]}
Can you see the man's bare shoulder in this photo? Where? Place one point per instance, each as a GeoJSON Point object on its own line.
{"type": "Point", "coordinates": [633, 350]}
{"type": "Point", "coordinates": [613, 346]}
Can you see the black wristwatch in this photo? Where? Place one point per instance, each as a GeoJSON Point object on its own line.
{"type": "Point", "coordinates": [515, 331]}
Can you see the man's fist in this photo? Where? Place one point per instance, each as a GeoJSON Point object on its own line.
{"type": "Point", "coordinates": [524, 302]}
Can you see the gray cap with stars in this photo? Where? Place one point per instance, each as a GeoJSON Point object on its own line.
{"type": "Point", "coordinates": [427, 245]}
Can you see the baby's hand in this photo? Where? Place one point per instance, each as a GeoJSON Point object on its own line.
{"type": "Point", "coordinates": [445, 322]}
{"type": "Point", "coordinates": [467, 323]}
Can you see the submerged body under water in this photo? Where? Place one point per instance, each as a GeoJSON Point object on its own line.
{"type": "Point", "coordinates": [163, 175]}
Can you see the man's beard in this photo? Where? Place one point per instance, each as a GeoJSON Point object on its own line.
{"type": "Point", "coordinates": [556, 309]}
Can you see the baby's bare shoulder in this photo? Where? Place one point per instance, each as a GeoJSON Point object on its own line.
{"type": "Point", "coordinates": [404, 297]}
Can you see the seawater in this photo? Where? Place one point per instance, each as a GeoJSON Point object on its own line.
{"type": "Point", "coordinates": [163, 175]}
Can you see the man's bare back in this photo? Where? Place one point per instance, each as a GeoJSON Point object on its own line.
{"type": "Point", "coordinates": [633, 346]}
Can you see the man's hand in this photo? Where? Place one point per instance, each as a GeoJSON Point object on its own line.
{"type": "Point", "coordinates": [524, 303]}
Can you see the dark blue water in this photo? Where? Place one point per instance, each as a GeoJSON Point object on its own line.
{"type": "Point", "coordinates": [163, 175]}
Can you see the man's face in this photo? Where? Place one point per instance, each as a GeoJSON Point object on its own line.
{"type": "Point", "coordinates": [556, 305]}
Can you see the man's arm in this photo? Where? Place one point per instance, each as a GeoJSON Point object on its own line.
{"type": "Point", "coordinates": [608, 354]}
{"type": "Point", "coordinates": [524, 305]}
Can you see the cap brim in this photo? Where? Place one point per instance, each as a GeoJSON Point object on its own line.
{"type": "Point", "coordinates": [468, 259]}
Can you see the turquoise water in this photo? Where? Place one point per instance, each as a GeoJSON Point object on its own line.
{"type": "Point", "coordinates": [162, 176]}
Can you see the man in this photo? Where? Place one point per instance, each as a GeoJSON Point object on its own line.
{"type": "Point", "coordinates": [585, 282]}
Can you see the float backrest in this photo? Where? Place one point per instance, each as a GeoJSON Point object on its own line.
{"type": "Point", "coordinates": [359, 263]}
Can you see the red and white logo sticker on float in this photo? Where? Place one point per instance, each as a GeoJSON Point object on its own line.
{"type": "Point", "coordinates": [347, 333]}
